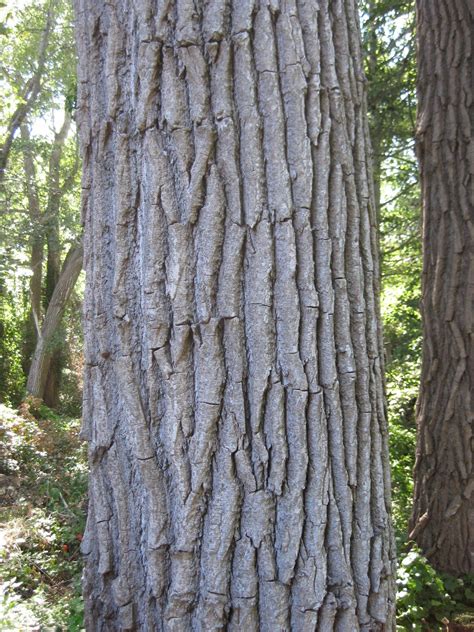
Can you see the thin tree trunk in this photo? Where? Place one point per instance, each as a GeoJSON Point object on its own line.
{"type": "Point", "coordinates": [55, 194]}
{"type": "Point", "coordinates": [53, 261]}
{"type": "Point", "coordinates": [443, 516]}
{"type": "Point", "coordinates": [40, 364]}
{"type": "Point", "coordinates": [33, 324]}
{"type": "Point", "coordinates": [233, 401]}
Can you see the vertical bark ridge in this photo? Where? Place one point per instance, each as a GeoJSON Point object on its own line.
{"type": "Point", "coordinates": [233, 381]}
{"type": "Point", "coordinates": [443, 510]}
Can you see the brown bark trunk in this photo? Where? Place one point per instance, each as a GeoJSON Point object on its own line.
{"type": "Point", "coordinates": [443, 516]}
{"type": "Point", "coordinates": [233, 399]}
{"type": "Point", "coordinates": [40, 365]}
{"type": "Point", "coordinates": [52, 386]}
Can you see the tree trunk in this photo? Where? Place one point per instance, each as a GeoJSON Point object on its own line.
{"type": "Point", "coordinates": [55, 194]}
{"type": "Point", "coordinates": [233, 400]}
{"type": "Point", "coordinates": [40, 365]}
{"type": "Point", "coordinates": [443, 516]}
{"type": "Point", "coordinates": [33, 324]}
{"type": "Point", "coordinates": [53, 262]}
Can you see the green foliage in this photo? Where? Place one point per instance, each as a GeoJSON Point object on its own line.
{"type": "Point", "coordinates": [44, 478]}
{"type": "Point", "coordinates": [420, 591]}
{"type": "Point", "coordinates": [25, 26]}
{"type": "Point", "coordinates": [402, 335]}
{"type": "Point", "coordinates": [390, 67]}
{"type": "Point", "coordinates": [426, 599]}
{"type": "Point", "coordinates": [402, 452]}
{"type": "Point", "coordinates": [12, 378]}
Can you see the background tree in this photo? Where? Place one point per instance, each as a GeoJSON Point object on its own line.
{"type": "Point", "coordinates": [43, 379]}
{"type": "Point", "coordinates": [443, 516]}
{"type": "Point", "coordinates": [233, 399]}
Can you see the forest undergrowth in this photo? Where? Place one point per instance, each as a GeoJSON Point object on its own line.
{"type": "Point", "coordinates": [43, 481]}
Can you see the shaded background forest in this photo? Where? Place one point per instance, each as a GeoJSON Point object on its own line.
{"type": "Point", "coordinates": [43, 471]}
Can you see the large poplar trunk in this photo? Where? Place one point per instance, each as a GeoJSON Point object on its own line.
{"type": "Point", "coordinates": [233, 401]}
{"type": "Point", "coordinates": [443, 517]}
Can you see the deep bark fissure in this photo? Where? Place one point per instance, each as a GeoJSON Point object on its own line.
{"type": "Point", "coordinates": [231, 324]}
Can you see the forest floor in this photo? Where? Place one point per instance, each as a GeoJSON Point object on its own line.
{"type": "Point", "coordinates": [43, 482]}
{"type": "Point", "coordinates": [43, 497]}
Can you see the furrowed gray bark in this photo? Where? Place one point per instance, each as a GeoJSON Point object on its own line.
{"type": "Point", "coordinates": [233, 401]}
{"type": "Point", "coordinates": [443, 516]}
